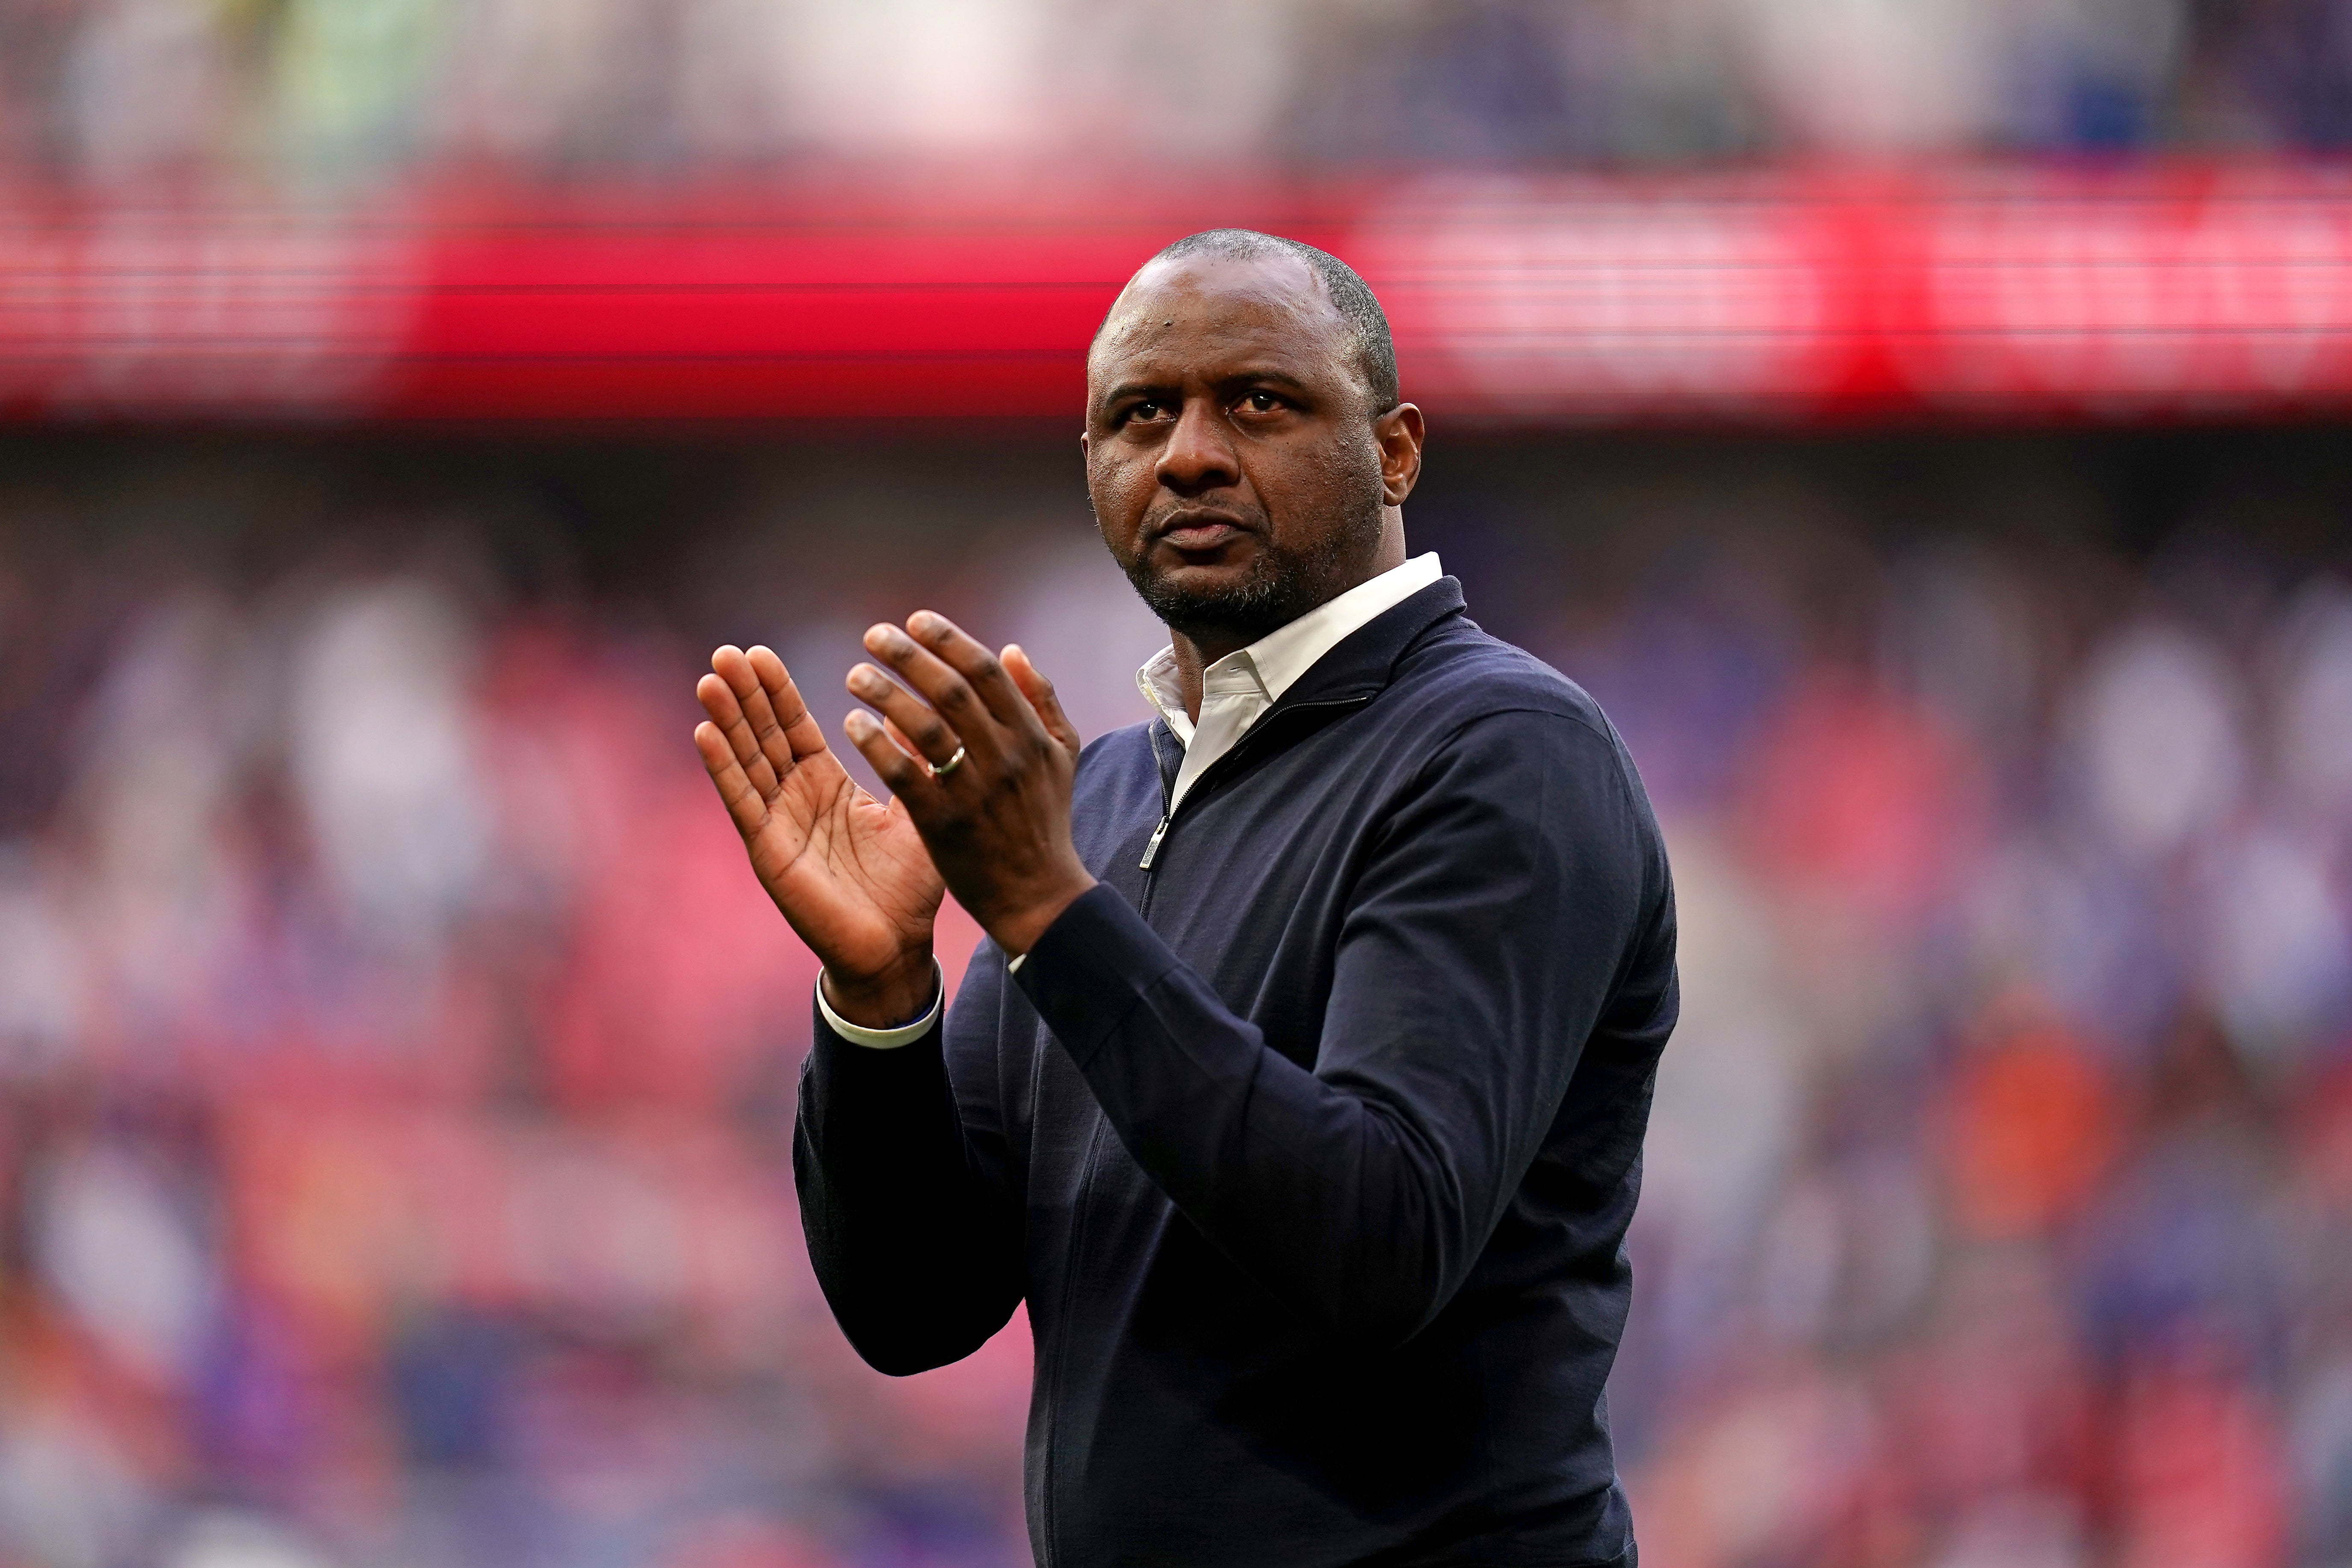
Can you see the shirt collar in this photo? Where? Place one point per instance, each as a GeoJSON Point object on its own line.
{"type": "Point", "coordinates": [1277, 659]}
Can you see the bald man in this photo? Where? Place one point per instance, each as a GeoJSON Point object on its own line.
{"type": "Point", "coordinates": [1300, 1083]}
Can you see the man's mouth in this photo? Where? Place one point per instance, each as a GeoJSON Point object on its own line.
{"type": "Point", "coordinates": [1198, 532]}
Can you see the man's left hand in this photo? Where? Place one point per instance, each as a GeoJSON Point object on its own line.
{"type": "Point", "coordinates": [982, 757]}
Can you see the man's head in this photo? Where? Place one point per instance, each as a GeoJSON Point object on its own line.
{"type": "Point", "coordinates": [1246, 453]}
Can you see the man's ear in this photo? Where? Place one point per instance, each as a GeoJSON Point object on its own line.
{"type": "Point", "coordinates": [1400, 433]}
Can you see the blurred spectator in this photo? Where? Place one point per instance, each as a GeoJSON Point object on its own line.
{"type": "Point", "coordinates": [347, 90]}
{"type": "Point", "coordinates": [2034, 1124]}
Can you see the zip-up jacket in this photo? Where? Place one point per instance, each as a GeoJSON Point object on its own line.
{"type": "Point", "coordinates": [1312, 1144]}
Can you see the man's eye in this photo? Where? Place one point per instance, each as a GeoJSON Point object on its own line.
{"type": "Point", "coordinates": [1261, 402]}
{"type": "Point", "coordinates": [1149, 409]}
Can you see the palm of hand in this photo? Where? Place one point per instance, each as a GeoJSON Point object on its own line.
{"type": "Point", "coordinates": [849, 871]}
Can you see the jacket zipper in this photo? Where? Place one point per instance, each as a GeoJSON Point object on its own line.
{"type": "Point", "coordinates": [1087, 1166]}
{"type": "Point", "coordinates": [1053, 1372]}
{"type": "Point", "coordinates": [1167, 815]}
{"type": "Point", "coordinates": [1214, 772]}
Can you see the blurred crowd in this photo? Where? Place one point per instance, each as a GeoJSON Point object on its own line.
{"type": "Point", "coordinates": [395, 1057]}
{"type": "Point", "coordinates": [332, 92]}
{"type": "Point", "coordinates": [1999, 1198]}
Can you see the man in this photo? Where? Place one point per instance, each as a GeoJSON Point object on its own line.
{"type": "Point", "coordinates": [1299, 1087]}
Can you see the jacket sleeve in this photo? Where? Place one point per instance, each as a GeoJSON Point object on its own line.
{"type": "Point", "coordinates": [906, 1194]}
{"type": "Point", "coordinates": [1504, 894]}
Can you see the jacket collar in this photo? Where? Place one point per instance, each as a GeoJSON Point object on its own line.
{"type": "Point", "coordinates": [1274, 662]}
{"type": "Point", "coordinates": [1365, 661]}
{"type": "Point", "coordinates": [1358, 667]}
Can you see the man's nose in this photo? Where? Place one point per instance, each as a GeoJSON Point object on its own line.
{"type": "Point", "coordinates": [1199, 456]}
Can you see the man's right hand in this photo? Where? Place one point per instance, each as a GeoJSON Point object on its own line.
{"type": "Point", "coordinates": [847, 870]}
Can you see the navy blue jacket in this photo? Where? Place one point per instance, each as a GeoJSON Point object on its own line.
{"type": "Point", "coordinates": [1311, 1148]}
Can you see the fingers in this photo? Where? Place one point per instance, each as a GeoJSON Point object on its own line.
{"type": "Point", "coordinates": [907, 779]}
{"type": "Point", "coordinates": [968, 658]}
{"type": "Point", "coordinates": [964, 697]}
{"type": "Point", "coordinates": [922, 729]}
{"type": "Point", "coordinates": [961, 680]}
{"type": "Point", "coordinates": [802, 732]}
{"type": "Point", "coordinates": [899, 739]}
{"type": "Point", "coordinates": [770, 703]}
{"type": "Point", "coordinates": [718, 696]}
{"type": "Point", "coordinates": [1039, 691]}
{"type": "Point", "coordinates": [745, 804]}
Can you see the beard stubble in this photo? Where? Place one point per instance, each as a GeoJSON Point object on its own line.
{"type": "Point", "coordinates": [1284, 581]}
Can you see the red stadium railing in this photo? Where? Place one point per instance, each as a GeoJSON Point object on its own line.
{"type": "Point", "coordinates": [1771, 296]}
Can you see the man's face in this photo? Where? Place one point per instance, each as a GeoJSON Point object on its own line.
{"type": "Point", "coordinates": [1233, 458]}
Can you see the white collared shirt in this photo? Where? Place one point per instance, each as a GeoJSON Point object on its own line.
{"type": "Point", "coordinates": [1239, 687]}
{"type": "Point", "coordinates": [1235, 692]}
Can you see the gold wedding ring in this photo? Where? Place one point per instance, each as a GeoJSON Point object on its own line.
{"type": "Point", "coordinates": [950, 766]}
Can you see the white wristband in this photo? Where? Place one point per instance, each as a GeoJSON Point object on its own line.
{"type": "Point", "coordinates": [885, 1039]}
